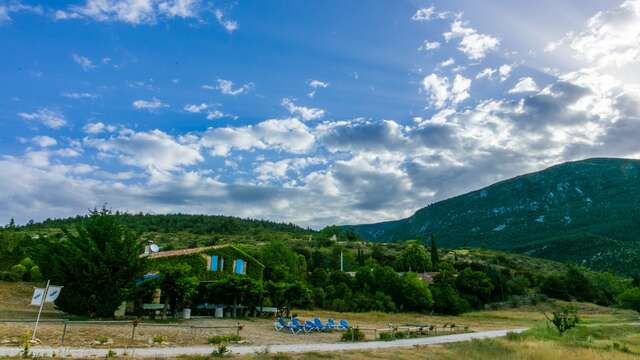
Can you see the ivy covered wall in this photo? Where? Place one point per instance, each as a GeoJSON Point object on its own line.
{"type": "Point", "coordinates": [198, 262]}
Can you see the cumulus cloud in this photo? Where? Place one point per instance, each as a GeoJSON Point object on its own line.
{"type": "Point", "coordinates": [525, 84]}
{"type": "Point", "coordinates": [97, 128]}
{"type": "Point", "coordinates": [473, 44]}
{"type": "Point", "coordinates": [429, 45]}
{"type": "Point", "coordinates": [150, 105]}
{"type": "Point", "coordinates": [275, 170]}
{"type": "Point", "coordinates": [50, 118]}
{"type": "Point", "coordinates": [85, 63]}
{"type": "Point", "coordinates": [44, 141]}
{"type": "Point", "coordinates": [504, 71]}
{"type": "Point", "coordinates": [212, 112]}
{"type": "Point", "coordinates": [442, 92]}
{"type": "Point", "coordinates": [153, 150]}
{"type": "Point", "coordinates": [612, 38]}
{"type": "Point", "coordinates": [288, 135]}
{"type": "Point", "coordinates": [305, 113]}
{"type": "Point", "coordinates": [226, 87]}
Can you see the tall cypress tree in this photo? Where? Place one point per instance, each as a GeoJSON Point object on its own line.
{"type": "Point", "coordinates": [435, 257]}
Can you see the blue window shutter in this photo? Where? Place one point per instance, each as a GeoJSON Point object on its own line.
{"type": "Point", "coordinates": [214, 263]}
{"type": "Point", "coordinates": [239, 266]}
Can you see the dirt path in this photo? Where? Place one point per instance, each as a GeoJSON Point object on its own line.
{"type": "Point", "coordinates": [206, 350]}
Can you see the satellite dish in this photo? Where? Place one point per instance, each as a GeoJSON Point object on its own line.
{"type": "Point", "coordinates": [154, 248]}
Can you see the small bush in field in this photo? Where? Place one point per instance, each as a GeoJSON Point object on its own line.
{"type": "Point", "coordinates": [564, 319]}
{"type": "Point", "coordinates": [219, 339]}
{"type": "Point", "coordinates": [101, 340]}
{"type": "Point", "coordinates": [159, 339]}
{"type": "Point", "coordinates": [353, 334]}
{"type": "Point", "coordinates": [387, 336]}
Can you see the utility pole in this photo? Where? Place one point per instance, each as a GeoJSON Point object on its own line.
{"type": "Point", "coordinates": [341, 262]}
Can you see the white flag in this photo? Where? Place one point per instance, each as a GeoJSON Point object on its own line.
{"type": "Point", "coordinates": [53, 293]}
{"type": "Point", "coordinates": [38, 294]}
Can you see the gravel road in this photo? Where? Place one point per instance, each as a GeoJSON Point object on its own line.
{"type": "Point", "coordinates": [206, 350]}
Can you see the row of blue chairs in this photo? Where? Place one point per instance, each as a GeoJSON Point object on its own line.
{"type": "Point", "coordinates": [296, 326]}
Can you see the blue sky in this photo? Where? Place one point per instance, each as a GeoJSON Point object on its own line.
{"type": "Point", "coordinates": [310, 112]}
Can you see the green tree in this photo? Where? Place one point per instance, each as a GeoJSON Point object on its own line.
{"type": "Point", "coordinates": [435, 257]}
{"type": "Point", "coordinates": [630, 299]}
{"type": "Point", "coordinates": [415, 294]}
{"type": "Point", "coordinates": [178, 285]}
{"type": "Point", "coordinates": [95, 264]}
{"type": "Point", "coordinates": [474, 286]}
{"type": "Point", "coordinates": [413, 258]}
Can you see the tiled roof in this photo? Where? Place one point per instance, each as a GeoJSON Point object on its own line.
{"type": "Point", "coordinates": [183, 252]}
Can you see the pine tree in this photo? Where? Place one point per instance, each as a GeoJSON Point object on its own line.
{"type": "Point", "coordinates": [435, 258]}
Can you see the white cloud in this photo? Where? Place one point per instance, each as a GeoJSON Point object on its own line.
{"type": "Point", "coordinates": [153, 150]}
{"type": "Point", "coordinates": [289, 135]}
{"type": "Point", "coordinates": [460, 89]}
{"type": "Point", "coordinates": [429, 13]}
{"type": "Point", "coordinates": [79, 95]}
{"type": "Point", "coordinates": [229, 25]}
{"type": "Point", "coordinates": [441, 91]}
{"type": "Point", "coordinates": [486, 73]}
{"type": "Point", "coordinates": [448, 62]}
{"type": "Point", "coordinates": [438, 89]}
{"type": "Point", "coordinates": [131, 11]}
{"type": "Point", "coordinates": [212, 113]}
{"type": "Point", "coordinates": [270, 170]}
{"type": "Point", "coordinates": [97, 128]}
{"type": "Point", "coordinates": [195, 108]}
{"type": "Point", "coordinates": [525, 84]}
{"type": "Point", "coordinates": [153, 104]}
{"type": "Point", "coordinates": [315, 85]}
{"type": "Point", "coordinates": [305, 113]}
{"type": "Point", "coordinates": [6, 9]}
{"type": "Point", "coordinates": [85, 63]}
{"type": "Point", "coordinates": [47, 117]}
{"type": "Point", "coordinates": [429, 45]}
{"type": "Point", "coordinates": [226, 87]}
{"type": "Point", "coordinates": [504, 71]}
{"type": "Point", "coordinates": [44, 141]}
{"type": "Point", "coordinates": [612, 38]}
{"type": "Point", "coordinates": [473, 44]}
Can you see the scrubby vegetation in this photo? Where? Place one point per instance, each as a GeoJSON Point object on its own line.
{"type": "Point", "coordinates": [301, 271]}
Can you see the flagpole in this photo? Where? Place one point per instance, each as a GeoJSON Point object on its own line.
{"type": "Point", "coordinates": [44, 297]}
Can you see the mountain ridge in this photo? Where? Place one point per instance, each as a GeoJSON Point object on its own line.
{"type": "Point", "coordinates": [586, 212]}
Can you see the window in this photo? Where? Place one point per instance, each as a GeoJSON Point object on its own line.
{"type": "Point", "coordinates": [214, 263]}
{"type": "Point", "coordinates": [240, 267]}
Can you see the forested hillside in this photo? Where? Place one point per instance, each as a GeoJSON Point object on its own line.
{"type": "Point", "coordinates": [585, 212]}
{"type": "Point", "coordinates": [171, 223]}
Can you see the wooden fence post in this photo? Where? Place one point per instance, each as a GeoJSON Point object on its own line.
{"type": "Point", "coordinates": [64, 332]}
{"type": "Point", "coordinates": [237, 328]}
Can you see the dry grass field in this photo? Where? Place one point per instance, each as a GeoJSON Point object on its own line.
{"type": "Point", "coordinates": [14, 299]}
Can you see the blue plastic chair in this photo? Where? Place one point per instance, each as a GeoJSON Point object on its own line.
{"type": "Point", "coordinates": [309, 326]}
{"type": "Point", "coordinates": [319, 326]}
{"type": "Point", "coordinates": [295, 326]}
{"type": "Point", "coordinates": [343, 325]}
{"type": "Point", "coordinates": [280, 324]}
{"type": "Point", "coordinates": [331, 324]}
